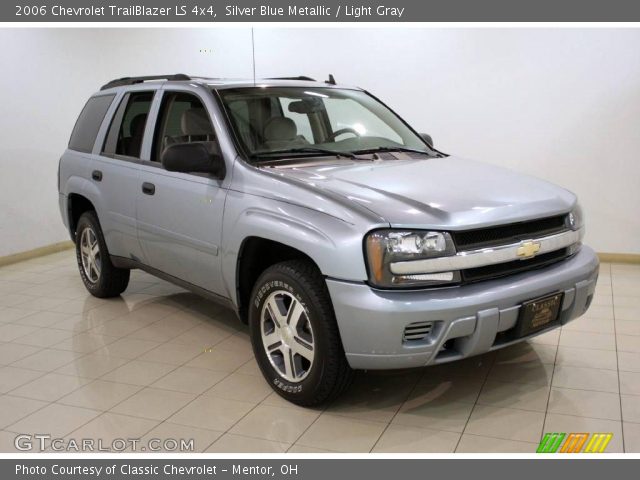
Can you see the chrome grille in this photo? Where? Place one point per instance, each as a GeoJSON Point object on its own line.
{"type": "Point", "coordinates": [510, 268]}
{"type": "Point", "coordinates": [485, 255]}
{"type": "Point", "coordinates": [510, 233]}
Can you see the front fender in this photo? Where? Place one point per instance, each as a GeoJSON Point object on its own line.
{"type": "Point", "coordinates": [333, 244]}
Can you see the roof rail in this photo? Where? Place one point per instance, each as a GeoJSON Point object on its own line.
{"type": "Point", "coordinates": [301, 77]}
{"type": "Point", "coordinates": [119, 82]}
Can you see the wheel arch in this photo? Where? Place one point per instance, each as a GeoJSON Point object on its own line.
{"type": "Point", "coordinates": [77, 204]}
{"type": "Point", "coordinates": [255, 255]}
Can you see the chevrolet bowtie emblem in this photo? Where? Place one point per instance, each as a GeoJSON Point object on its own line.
{"type": "Point", "coordinates": [528, 249]}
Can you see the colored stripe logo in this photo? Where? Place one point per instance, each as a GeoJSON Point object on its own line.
{"type": "Point", "coordinates": [574, 442]}
{"type": "Point", "coordinates": [598, 442]}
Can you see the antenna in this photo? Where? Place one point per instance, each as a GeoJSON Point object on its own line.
{"type": "Point", "coordinates": [331, 81]}
{"type": "Point", "coordinates": [253, 57]}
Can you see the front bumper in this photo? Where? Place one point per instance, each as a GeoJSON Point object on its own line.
{"type": "Point", "coordinates": [470, 319]}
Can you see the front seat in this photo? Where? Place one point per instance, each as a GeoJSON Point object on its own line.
{"type": "Point", "coordinates": [195, 126]}
{"type": "Point", "coordinates": [132, 144]}
{"type": "Point", "coordinates": [280, 133]}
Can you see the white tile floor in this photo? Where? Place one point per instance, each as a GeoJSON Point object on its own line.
{"type": "Point", "coordinates": [163, 363]}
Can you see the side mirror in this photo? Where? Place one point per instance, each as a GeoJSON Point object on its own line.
{"type": "Point", "coordinates": [427, 138]}
{"type": "Point", "coordinates": [192, 158]}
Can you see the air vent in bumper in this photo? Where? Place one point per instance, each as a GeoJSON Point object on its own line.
{"type": "Point", "coordinates": [417, 331]}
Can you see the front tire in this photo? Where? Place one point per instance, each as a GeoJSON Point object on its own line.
{"type": "Point", "coordinates": [295, 336]}
{"type": "Point", "coordinates": [98, 274]}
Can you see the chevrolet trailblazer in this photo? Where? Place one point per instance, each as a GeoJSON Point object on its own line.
{"type": "Point", "coordinates": [336, 231]}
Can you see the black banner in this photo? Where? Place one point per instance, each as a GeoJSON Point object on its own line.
{"type": "Point", "coordinates": [316, 469]}
{"type": "Point", "coordinates": [319, 11]}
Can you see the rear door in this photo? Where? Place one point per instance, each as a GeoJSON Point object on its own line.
{"type": "Point", "coordinates": [179, 215]}
{"type": "Point", "coordinates": [116, 170]}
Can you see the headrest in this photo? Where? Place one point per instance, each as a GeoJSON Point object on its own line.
{"type": "Point", "coordinates": [280, 129]}
{"type": "Point", "coordinates": [137, 125]}
{"type": "Point", "coordinates": [195, 122]}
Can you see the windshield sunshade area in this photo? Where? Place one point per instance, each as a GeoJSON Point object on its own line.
{"type": "Point", "coordinates": [278, 122]}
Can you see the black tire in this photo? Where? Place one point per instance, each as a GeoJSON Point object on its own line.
{"type": "Point", "coordinates": [111, 281]}
{"type": "Point", "coordinates": [329, 373]}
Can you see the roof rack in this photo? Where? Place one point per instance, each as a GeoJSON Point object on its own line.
{"type": "Point", "coordinates": [301, 77]}
{"type": "Point", "coordinates": [119, 82]}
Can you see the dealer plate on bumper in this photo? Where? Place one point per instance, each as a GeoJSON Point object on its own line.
{"type": "Point", "coordinates": [538, 314]}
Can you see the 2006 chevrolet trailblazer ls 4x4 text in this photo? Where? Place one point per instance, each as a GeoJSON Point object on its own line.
{"type": "Point", "coordinates": [342, 237]}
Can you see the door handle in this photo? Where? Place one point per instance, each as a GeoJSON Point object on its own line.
{"type": "Point", "coordinates": [96, 175]}
{"type": "Point", "coordinates": [148, 188]}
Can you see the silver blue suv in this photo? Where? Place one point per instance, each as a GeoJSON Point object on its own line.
{"type": "Point", "coordinates": [340, 235]}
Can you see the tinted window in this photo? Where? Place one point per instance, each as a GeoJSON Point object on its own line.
{"type": "Point", "coordinates": [339, 120]}
{"type": "Point", "coordinates": [183, 119]}
{"type": "Point", "coordinates": [127, 128]}
{"type": "Point", "coordinates": [86, 129]}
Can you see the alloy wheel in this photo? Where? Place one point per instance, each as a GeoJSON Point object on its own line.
{"type": "Point", "coordinates": [90, 255]}
{"type": "Point", "coordinates": [287, 336]}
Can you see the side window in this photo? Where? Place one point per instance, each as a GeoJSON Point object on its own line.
{"type": "Point", "coordinates": [183, 119]}
{"type": "Point", "coordinates": [127, 127]}
{"type": "Point", "coordinates": [86, 129]}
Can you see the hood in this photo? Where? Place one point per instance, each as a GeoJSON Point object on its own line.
{"type": "Point", "coordinates": [445, 193]}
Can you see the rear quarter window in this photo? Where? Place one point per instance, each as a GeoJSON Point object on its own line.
{"type": "Point", "coordinates": [86, 129]}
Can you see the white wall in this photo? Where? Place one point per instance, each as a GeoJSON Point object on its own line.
{"type": "Point", "coordinates": [562, 104]}
{"type": "Point", "coordinates": [47, 76]}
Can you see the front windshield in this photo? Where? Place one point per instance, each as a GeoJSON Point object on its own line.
{"type": "Point", "coordinates": [275, 122]}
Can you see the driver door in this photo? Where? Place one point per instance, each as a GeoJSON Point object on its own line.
{"type": "Point", "coordinates": [179, 215]}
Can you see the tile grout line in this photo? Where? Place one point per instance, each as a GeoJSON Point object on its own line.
{"type": "Point", "coordinates": [475, 403]}
{"type": "Point", "coordinates": [160, 344]}
{"type": "Point", "coordinates": [615, 338]}
{"type": "Point", "coordinates": [161, 422]}
{"type": "Point", "coordinates": [236, 422]}
{"type": "Point", "coordinates": [553, 374]}
{"type": "Point", "coordinates": [324, 409]}
{"type": "Point", "coordinates": [395, 414]}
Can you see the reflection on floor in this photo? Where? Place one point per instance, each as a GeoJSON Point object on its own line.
{"type": "Point", "coordinates": [162, 363]}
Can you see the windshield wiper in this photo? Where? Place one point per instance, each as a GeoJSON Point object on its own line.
{"type": "Point", "coordinates": [323, 151]}
{"type": "Point", "coordinates": [392, 149]}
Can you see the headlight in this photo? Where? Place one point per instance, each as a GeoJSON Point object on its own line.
{"type": "Point", "coordinates": [384, 247]}
{"type": "Point", "coordinates": [575, 219]}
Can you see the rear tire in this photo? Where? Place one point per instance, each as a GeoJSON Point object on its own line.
{"type": "Point", "coordinates": [295, 336]}
{"type": "Point", "coordinates": [98, 274]}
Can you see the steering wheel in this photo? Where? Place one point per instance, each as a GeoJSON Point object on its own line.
{"type": "Point", "coordinates": [337, 133]}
